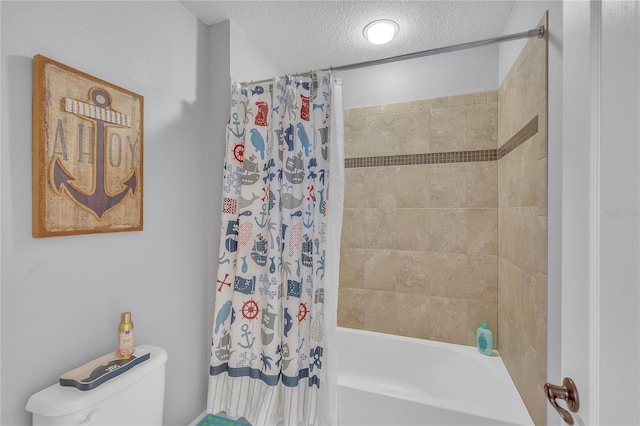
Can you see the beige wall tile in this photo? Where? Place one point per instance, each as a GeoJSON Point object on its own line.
{"type": "Point", "coordinates": [482, 184]}
{"type": "Point", "coordinates": [380, 187]}
{"type": "Point", "coordinates": [534, 78]}
{"type": "Point", "coordinates": [540, 138]}
{"type": "Point", "coordinates": [448, 318]}
{"type": "Point", "coordinates": [380, 228]}
{"type": "Point", "coordinates": [492, 96]}
{"type": "Point", "coordinates": [482, 231]}
{"type": "Point", "coordinates": [541, 244]}
{"type": "Point", "coordinates": [351, 308]}
{"type": "Point", "coordinates": [483, 278]}
{"type": "Point", "coordinates": [528, 175]}
{"type": "Point", "coordinates": [412, 229]}
{"type": "Point", "coordinates": [505, 219]}
{"type": "Point", "coordinates": [354, 187]}
{"type": "Point", "coordinates": [410, 134]}
{"type": "Point", "coordinates": [352, 268]}
{"type": "Point", "coordinates": [525, 319]}
{"type": "Point", "coordinates": [503, 295]}
{"type": "Point", "coordinates": [391, 132]}
{"type": "Point", "coordinates": [527, 366]}
{"type": "Point", "coordinates": [430, 103]}
{"type": "Point", "coordinates": [371, 110]}
{"type": "Point", "coordinates": [450, 275]}
{"type": "Point", "coordinates": [413, 272]}
{"type": "Point", "coordinates": [510, 178]}
{"type": "Point", "coordinates": [504, 181]}
{"type": "Point", "coordinates": [503, 343]}
{"type": "Point", "coordinates": [540, 405]}
{"type": "Point", "coordinates": [541, 187]}
{"type": "Point", "coordinates": [413, 185]}
{"type": "Point", "coordinates": [448, 129]}
{"type": "Point", "coordinates": [541, 302]}
{"type": "Point", "coordinates": [482, 126]}
{"type": "Point", "coordinates": [525, 239]}
{"type": "Point", "coordinates": [468, 99]}
{"type": "Point", "coordinates": [382, 134]}
{"type": "Point", "coordinates": [353, 228]}
{"type": "Point", "coordinates": [448, 185]}
{"type": "Point", "coordinates": [528, 385]}
{"type": "Point", "coordinates": [522, 235]}
{"type": "Point", "coordinates": [380, 312]}
{"type": "Point", "coordinates": [449, 234]}
{"type": "Point", "coordinates": [380, 270]}
{"type": "Point", "coordinates": [509, 104]}
{"type": "Point", "coordinates": [357, 134]}
{"type": "Point", "coordinates": [395, 108]}
{"type": "Point", "coordinates": [413, 315]}
{"type": "Point", "coordinates": [510, 284]}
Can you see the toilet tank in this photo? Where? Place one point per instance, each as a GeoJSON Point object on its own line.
{"type": "Point", "coordinates": [134, 398]}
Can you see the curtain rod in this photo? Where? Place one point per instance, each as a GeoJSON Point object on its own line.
{"type": "Point", "coordinates": [538, 32]}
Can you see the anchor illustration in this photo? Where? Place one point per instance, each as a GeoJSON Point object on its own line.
{"type": "Point", "coordinates": [237, 133]}
{"type": "Point", "coordinates": [246, 333]}
{"type": "Point", "coordinates": [98, 202]}
{"type": "Point", "coordinates": [308, 224]}
{"type": "Point", "coordinates": [263, 213]}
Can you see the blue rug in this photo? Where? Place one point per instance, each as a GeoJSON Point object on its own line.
{"type": "Point", "coordinates": [213, 420]}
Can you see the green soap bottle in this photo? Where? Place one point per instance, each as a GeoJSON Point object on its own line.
{"type": "Point", "coordinates": [485, 340]}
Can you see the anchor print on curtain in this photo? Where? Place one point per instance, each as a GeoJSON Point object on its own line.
{"type": "Point", "coordinates": [268, 341]}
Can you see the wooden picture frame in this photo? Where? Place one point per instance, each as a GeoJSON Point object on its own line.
{"type": "Point", "coordinates": [87, 153]}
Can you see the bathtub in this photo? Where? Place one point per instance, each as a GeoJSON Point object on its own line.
{"type": "Point", "coordinates": [391, 380]}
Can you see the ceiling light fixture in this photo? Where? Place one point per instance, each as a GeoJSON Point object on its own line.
{"type": "Point", "coordinates": [381, 31]}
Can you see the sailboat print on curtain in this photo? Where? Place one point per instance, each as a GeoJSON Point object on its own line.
{"type": "Point", "coordinates": [268, 332]}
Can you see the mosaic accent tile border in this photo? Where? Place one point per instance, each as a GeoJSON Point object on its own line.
{"type": "Point", "coordinates": [527, 131]}
{"type": "Point", "coordinates": [530, 129]}
{"type": "Point", "coordinates": [413, 159]}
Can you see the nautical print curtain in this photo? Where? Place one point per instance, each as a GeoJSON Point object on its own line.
{"type": "Point", "coordinates": [268, 344]}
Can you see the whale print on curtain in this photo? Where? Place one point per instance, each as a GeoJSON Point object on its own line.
{"type": "Point", "coordinates": [268, 352]}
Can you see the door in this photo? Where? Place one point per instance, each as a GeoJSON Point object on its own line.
{"type": "Point", "coordinates": [600, 328]}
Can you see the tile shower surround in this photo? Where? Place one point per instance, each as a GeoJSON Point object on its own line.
{"type": "Point", "coordinates": [481, 255]}
{"type": "Point", "coordinates": [419, 246]}
{"type": "Point", "coordinates": [397, 275]}
{"type": "Point", "coordinates": [522, 226]}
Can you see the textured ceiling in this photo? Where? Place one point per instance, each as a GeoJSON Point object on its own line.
{"type": "Point", "coordinates": [310, 35]}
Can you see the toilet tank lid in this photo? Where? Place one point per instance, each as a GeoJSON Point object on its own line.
{"type": "Point", "coordinates": [59, 400]}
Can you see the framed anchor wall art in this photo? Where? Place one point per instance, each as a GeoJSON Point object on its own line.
{"type": "Point", "coordinates": [87, 153]}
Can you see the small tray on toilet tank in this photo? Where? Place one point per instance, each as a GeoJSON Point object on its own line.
{"type": "Point", "coordinates": [96, 372]}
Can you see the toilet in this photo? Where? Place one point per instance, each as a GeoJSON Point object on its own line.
{"type": "Point", "coordinates": [133, 398]}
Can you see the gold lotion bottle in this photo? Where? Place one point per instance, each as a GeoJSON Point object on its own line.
{"type": "Point", "coordinates": [125, 336]}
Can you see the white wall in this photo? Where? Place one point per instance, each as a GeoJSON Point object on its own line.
{"type": "Point", "coordinates": [62, 297]}
{"type": "Point", "coordinates": [448, 74]}
{"type": "Point", "coordinates": [525, 15]}
{"type": "Point", "coordinates": [248, 62]}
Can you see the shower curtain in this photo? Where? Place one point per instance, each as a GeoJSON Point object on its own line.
{"type": "Point", "coordinates": [276, 293]}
